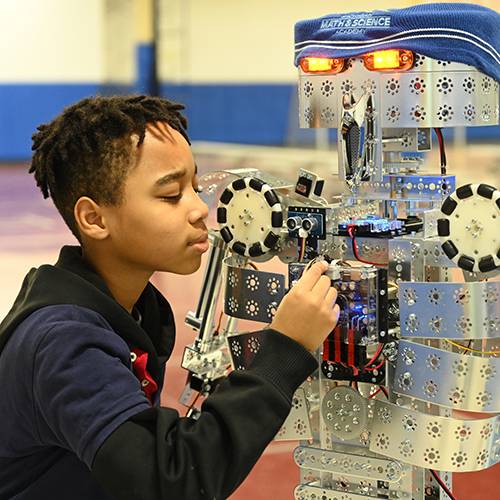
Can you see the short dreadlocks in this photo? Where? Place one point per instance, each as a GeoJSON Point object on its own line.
{"type": "Point", "coordinates": [87, 150]}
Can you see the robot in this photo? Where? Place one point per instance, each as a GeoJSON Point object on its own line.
{"type": "Point", "coordinates": [406, 392]}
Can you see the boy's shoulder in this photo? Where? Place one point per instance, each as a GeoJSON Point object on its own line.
{"type": "Point", "coordinates": [53, 315]}
{"type": "Point", "coordinates": [65, 324]}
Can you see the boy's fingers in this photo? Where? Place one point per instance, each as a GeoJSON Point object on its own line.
{"type": "Point", "coordinates": [336, 309]}
{"type": "Point", "coordinates": [320, 289]}
{"type": "Point", "coordinates": [312, 275]}
{"type": "Point", "coordinates": [331, 297]}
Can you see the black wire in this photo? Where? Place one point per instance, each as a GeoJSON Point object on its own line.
{"type": "Point", "coordinates": [442, 485]}
{"type": "Point", "coordinates": [442, 151]}
{"type": "Point", "coordinates": [468, 346]}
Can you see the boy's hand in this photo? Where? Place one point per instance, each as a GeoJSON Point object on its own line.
{"type": "Point", "coordinates": [308, 313]}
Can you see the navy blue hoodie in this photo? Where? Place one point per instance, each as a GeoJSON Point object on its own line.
{"type": "Point", "coordinates": [76, 419]}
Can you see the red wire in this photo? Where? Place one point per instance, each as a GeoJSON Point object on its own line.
{"type": "Point", "coordinates": [440, 139]}
{"type": "Point", "coordinates": [338, 347]}
{"type": "Point", "coordinates": [380, 389]}
{"type": "Point", "coordinates": [372, 368]}
{"type": "Point", "coordinates": [350, 348]}
{"type": "Point", "coordinates": [441, 483]}
{"type": "Point", "coordinates": [374, 394]}
{"type": "Point", "coordinates": [326, 350]}
{"type": "Point", "coordinates": [350, 231]}
{"type": "Point", "coordinates": [442, 154]}
{"type": "Point", "coordinates": [376, 355]}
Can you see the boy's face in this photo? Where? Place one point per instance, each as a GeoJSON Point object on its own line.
{"type": "Point", "coordinates": [160, 224]}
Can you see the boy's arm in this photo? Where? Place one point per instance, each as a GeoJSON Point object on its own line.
{"type": "Point", "coordinates": [156, 454]}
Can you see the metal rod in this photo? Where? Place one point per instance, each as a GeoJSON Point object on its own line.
{"type": "Point", "coordinates": [203, 319]}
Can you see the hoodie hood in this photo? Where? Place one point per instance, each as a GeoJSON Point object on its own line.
{"type": "Point", "coordinates": [71, 281]}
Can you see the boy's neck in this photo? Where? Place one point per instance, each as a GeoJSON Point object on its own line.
{"type": "Point", "coordinates": [124, 282]}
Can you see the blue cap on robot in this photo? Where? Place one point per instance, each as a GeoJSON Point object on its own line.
{"type": "Point", "coordinates": [458, 32]}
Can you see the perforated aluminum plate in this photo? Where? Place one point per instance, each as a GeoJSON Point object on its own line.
{"type": "Point", "coordinates": [439, 99]}
{"type": "Point", "coordinates": [431, 441]}
{"type": "Point", "coordinates": [252, 294]}
{"type": "Point", "coordinates": [310, 492]}
{"type": "Point", "coordinates": [401, 264]}
{"type": "Point", "coordinates": [448, 379]}
{"type": "Point", "coordinates": [297, 425]}
{"type": "Point", "coordinates": [450, 310]}
{"type": "Point", "coordinates": [433, 94]}
{"type": "Point", "coordinates": [344, 412]}
{"type": "Point", "coordinates": [409, 187]}
{"type": "Point", "coordinates": [243, 348]}
{"type": "Point", "coordinates": [355, 465]}
{"type": "Point", "coordinates": [204, 363]}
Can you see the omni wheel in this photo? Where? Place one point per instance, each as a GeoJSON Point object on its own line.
{"type": "Point", "coordinates": [250, 217]}
{"type": "Point", "coordinates": [471, 224]}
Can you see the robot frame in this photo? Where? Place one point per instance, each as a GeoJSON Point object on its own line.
{"type": "Point", "coordinates": [407, 380]}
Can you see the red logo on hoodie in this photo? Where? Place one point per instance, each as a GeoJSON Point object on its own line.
{"type": "Point", "coordinates": [139, 363]}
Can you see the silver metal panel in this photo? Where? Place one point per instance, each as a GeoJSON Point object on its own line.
{"type": "Point", "coordinates": [430, 218]}
{"type": "Point", "coordinates": [408, 188]}
{"type": "Point", "coordinates": [345, 412]}
{"type": "Point", "coordinates": [215, 361]}
{"type": "Point", "coordinates": [354, 465]}
{"type": "Point", "coordinates": [405, 139]}
{"type": "Point", "coordinates": [400, 260]}
{"type": "Point", "coordinates": [318, 101]}
{"type": "Point", "coordinates": [446, 378]}
{"type": "Point", "coordinates": [439, 99]}
{"type": "Point", "coordinates": [297, 425]}
{"type": "Point", "coordinates": [252, 294]}
{"type": "Point", "coordinates": [433, 94]}
{"type": "Point", "coordinates": [432, 441]}
{"type": "Point", "coordinates": [243, 347]}
{"type": "Point", "coordinates": [313, 492]}
{"type": "Point", "coordinates": [373, 249]}
{"type": "Point", "coordinates": [424, 63]}
{"type": "Point", "coordinates": [450, 310]}
{"type": "Point", "coordinates": [428, 250]}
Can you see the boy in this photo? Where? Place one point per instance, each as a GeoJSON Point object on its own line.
{"type": "Point", "coordinates": [83, 348]}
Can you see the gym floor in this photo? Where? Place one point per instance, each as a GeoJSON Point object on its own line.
{"type": "Point", "coordinates": [32, 232]}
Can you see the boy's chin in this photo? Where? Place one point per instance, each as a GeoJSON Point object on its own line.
{"type": "Point", "coordinates": [185, 268]}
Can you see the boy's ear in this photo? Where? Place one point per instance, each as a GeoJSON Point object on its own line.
{"type": "Point", "coordinates": [90, 219]}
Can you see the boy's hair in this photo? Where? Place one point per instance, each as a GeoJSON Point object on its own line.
{"type": "Point", "coordinates": [87, 150]}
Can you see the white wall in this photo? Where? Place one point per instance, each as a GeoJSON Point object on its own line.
{"type": "Point", "coordinates": [118, 44]}
{"type": "Point", "coordinates": [224, 41]}
{"type": "Point", "coordinates": [203, 41]}
{"type": "Point", "coordinates": [51, 41]}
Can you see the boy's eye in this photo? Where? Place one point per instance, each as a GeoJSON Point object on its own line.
{"type": "Point", "coordinates": [171, 199]}
{"type": "Point", "coordinates": [176, 197]}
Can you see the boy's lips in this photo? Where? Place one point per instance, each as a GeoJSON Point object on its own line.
{"type": "Point", "coordinates": [201, 244]}
{"type": "Point", "coordinates": [201, 239]}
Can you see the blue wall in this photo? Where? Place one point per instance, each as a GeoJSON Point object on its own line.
{"type": "Point", "coordinates": [250, 114]}
{"type": "Point", "coordinates": [25, 106]}
{"type": "Point", "coordinates": [145, 60]}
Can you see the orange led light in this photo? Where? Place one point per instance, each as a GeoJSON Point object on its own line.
{"type": "Point", "coordinates": [321, 65]}
{"type": "Point", "coordinates": [381, 60]}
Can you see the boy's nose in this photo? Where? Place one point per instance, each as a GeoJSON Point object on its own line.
{"type": "Point", "coordinates": [199, 212]}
